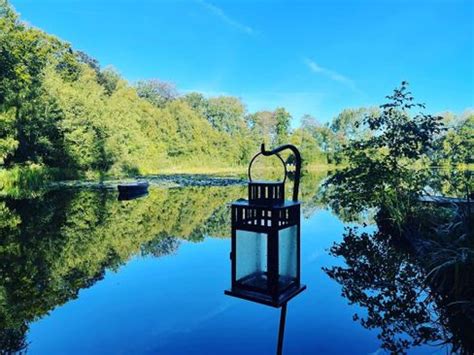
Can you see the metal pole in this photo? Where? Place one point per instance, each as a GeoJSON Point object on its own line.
{"type": "Point", "coordinates": [281, 331]}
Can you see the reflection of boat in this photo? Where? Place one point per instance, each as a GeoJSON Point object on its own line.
{"type": "Point", "coordinates": [132, 190]}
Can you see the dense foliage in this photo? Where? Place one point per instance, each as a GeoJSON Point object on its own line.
{"type": "Point", "coordinates": [386, 163]}
{"type": "Point", "coordinates": [414, 274]}
{"type": "Point", "coordinates": [69, 118]}
{"type": "Point", "coordinates": [60, 110]}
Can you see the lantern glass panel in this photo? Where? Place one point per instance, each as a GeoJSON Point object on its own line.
{"type": "Point", "coordinates": [251, 259]}
{"type": "Point", "coordinates": [288, 249]}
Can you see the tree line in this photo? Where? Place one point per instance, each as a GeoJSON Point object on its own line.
{"type": "Point", "coordinates": [61, 111]}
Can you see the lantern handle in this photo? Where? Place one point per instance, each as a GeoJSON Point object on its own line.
{"type": "Point", "coordinates": [261, 153]}
{"type": "Point", "coordinates": [297, 163]}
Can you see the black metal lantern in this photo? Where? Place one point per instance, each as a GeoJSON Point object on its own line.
{"type": "Point", "coordinates": [266, 239]}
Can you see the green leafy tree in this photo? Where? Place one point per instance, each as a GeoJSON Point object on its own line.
{"type": "Point", "coordinates": [109, 79]}
{"type": "Point", "coordinates": [226, 114]}
{"type": "Point", "coordinates": [306, 137]}
{"type": "Point", "coordinates": [283, 119]}
{"type": "Point", "coordinates": [458, 142]}
{"type": "Point", "coordinates": [28, 131]}
{"type": "Point", "coordinates": [347, 126]}
{"type": "Point", "coordinates": [81, 107]}
{"type": "Point", "coordinates": [197, 102]}
{"type": "Point", "coordinates": [158, 92]}
{"type": "Point", "coordinates": [8, 141]}
{"type": "Point", "coordinates": [262, 125]}
{"type": "Point", "coordinates": [380, 167]}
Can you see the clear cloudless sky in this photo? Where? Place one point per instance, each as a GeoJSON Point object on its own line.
{"type": "Point", "coordinates": [315, 57]}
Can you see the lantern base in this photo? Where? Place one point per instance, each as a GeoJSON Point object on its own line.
{"type": "Point", "coordinates": [264, 298]}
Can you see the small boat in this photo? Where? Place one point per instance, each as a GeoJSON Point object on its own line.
{"type": "Point", "coordinates": [135, 186]}
{"type": "Point", "coordinates": [132, 190]}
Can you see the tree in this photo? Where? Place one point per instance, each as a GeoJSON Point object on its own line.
{"type": "Point", "coordinates": [109, 79]}
{"type": "Point", "coordinates": [349, 124]}
{"type": "Point", "coordinates": [262, 125]}
{"type": "Point", "coordinates": [8, 141]}
{"type": "Point", "coordinates": [197, 102]}
{"type": "Point", "coordinates": [309, 147]}
{"type": "Point", "coordinates": [308, 137]}
{"type": "Point", "coordinates": [403, 137]}
{"type": "Point", "coordinates": [283, 119]}
{"type": "Point", "coordinates": [457, 145]}
{"type": "Point", "coordinates": [156, 91]}
{"type": "Point", "coordinates": [27, 128]}
{"type": "Point", "coordinates": [85, 58]}
{"type": "Point", "coordinates": [309, 123]}
{"type": "Point", "coordinates": [226, 114]}
{"type": "Point", "coordinates": [380, 167]}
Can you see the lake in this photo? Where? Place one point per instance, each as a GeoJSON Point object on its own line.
{"type": "Point", "coordinates": [85, 273]}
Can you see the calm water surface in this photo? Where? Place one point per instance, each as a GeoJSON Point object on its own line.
{"type": "Point", "coordinates": [85, 273]}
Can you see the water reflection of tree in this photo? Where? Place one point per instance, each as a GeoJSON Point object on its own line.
{"type": "Point", "coordinates": [381, 278]}
{"type": "Point", "coordinates": [161, 246]}
{"type": "Point", "coordinates": [449, 181]}
{"type": "Point", "coordinates": [310, 190]}
{"type": "Point", "coordinates": [414, 279]}
{"type": "Point", "coordinates": [392, 287]}
{"type": "Point", "coordinates": [53, 246]}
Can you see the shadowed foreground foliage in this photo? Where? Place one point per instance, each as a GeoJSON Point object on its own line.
{"type": "Point", "coordinates": [414, 276]}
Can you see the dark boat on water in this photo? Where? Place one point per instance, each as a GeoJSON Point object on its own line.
{"type": "Point", "coordinates": [132, 190]}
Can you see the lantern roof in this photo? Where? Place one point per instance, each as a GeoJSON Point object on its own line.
{"type": "Point", "coordinates": [266, 182]}
{"type": "Point", "coordinates": [284, 204]}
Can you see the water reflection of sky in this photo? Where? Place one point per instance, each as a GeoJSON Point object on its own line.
{"type": "Point", "coordinates": [175, 304]}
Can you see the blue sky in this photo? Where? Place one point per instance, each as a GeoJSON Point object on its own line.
{"type": "Point", "coordinates": [315, 57]}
